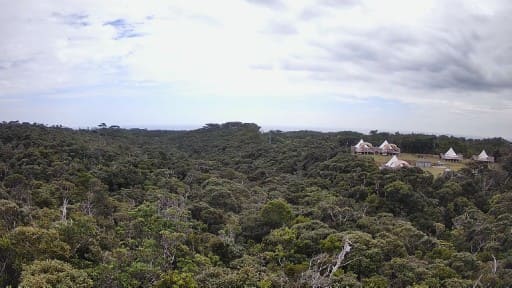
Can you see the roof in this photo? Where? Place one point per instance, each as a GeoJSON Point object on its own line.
{"type": "Point", "coordinates": [359, 143]}
{"type": "Point", "coordinates": [483, 155]}
{"type": "Point", "coordinates": [391, 161]}
{"type": "Point", "coordinates": [384, 144]}
{"type": "Point", "coordinates": [450, 153]}
{"type": "Point", "coordinates": [362, 144]}
{"type": "Point", "coordinates": [394, 162]}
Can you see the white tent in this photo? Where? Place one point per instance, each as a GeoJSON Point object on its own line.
{"type": "Point", "coordinates": [450, 153]}
{"type": "Point", "coordinates": [483, 156]}
{"type": "Point", "coordinates": [362, 144]}
{"type": "Point", "coordinates": [384, 144]}
{"type": "Point", "coordinates": [394, 162]}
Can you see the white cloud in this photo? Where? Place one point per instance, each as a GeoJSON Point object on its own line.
{"type": "Point", "coordinates": [444, 56]}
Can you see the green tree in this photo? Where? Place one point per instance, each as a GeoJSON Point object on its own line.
{"type": "Point", "coordinates": [31, 243]}
{"type": "Point", "coordinates": [10, 215]}
{"type": "Point", "coordinates": [175, 279]}
{"type": "Point", "coordinates": [276, 213]}
{"type": "Point", "coordinates": [53, 273]}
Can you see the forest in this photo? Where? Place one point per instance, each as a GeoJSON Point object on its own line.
{"type": "Point", "coordinates": [229, 205]}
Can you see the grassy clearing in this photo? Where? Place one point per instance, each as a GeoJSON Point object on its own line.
{"type": "Point", "coordinates": [411, 158]}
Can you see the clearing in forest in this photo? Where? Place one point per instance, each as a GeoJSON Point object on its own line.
{"type": "Point", "coordinates": [438, 165]}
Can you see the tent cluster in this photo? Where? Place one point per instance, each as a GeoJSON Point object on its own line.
{"type": "Point", "coordinates": [385, 148]}
{"type": "Point", "coordinates": [450, 155]}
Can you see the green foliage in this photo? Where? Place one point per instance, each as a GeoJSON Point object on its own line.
{"type": "Point", "coordinates": [30, 243]}
{"type": "Point", "coordinates": [10, 215]}
{"type": "Point", "coordinates": [229, 206]}
{"type": "Point", "coordinates": [176, 280]}
{"type": "Point", "coordinates": [276, 213]}
{"type": "Point", "coordinates": [53, 273]}
{"type": "Point", "coordinates": [376, 282]}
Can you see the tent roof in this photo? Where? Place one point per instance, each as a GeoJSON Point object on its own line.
{"type": "Point", "coordinates": [362, 144]}
{"type": "Point", "coordinates": [384, 144]}
{"type": "Point", "coordinates": [483, 155]}
{"type": "Point", "coordinates": [450, 153]}
{"type": "Point", "coordinates": [392, 161]}
{"type": "Point", "coordinates": [359, 143]}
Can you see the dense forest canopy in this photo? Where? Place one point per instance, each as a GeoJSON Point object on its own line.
{"type": "Point", "coordinates": [230, 206]}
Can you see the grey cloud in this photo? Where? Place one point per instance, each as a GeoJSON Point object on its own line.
{"type": "Point", "coordinates": [339, 3]}
{"type": "Point", "coordinates": [75, 19]}
{"type": "Point", "coordinates": [298, 65]}
{"type": "Point", "coordinates": [356, 52]}
{"type": "Point", "coordinates": [273, 4]}
{"type": "Point", "coordinates": [281, 28]}
{"type": "Point", "coordinates": [179, 13]}
{"type": "Point", "coordinates": [5, 65]}
{"type": "Point", "coordinates": [428, 60]}
{"type": "Point", "coordinates": [455, 62]}
{"type": "Point", "coordinates": [205, 19]}
{"type": "Point", "coordinates": [310, 13]}
{"type": "Point", "coordinates": [324, 7]}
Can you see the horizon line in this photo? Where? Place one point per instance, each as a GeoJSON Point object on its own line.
{"type": "Point", "coordinates": [263, 127]}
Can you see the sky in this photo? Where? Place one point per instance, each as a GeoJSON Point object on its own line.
{"type": "Point", "coordinates": [440, 67]}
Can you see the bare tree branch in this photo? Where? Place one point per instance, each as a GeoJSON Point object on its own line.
{"type": "Point", "coordinates": [341, 257]}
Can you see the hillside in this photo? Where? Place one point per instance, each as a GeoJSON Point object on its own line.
{"type": "Point", "coordinates": [230, 206]}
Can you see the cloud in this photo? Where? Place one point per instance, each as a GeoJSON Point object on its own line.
{"type": "Point", "coordinates": [339, 3]}
{"type": "Point", "coordinates": [75, 20]}
{"type": "Point", "coordinates": [124, 29]}
{"type": "Point", "coordinates": [434, 58]}
{"type": "Point", "coordinates": [281, 28]}
{"type": "Point", "coordinates": [444, 57]}
{"type": "Point", "coordinates": [274, 4]}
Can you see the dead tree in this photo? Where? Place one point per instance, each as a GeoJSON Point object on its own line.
{"type": "Point", "coordinates": [323, 267]}
{"type": "Point", "coordinates": [341, 257]}
{"type": "Point", "coordinates": [64, 210]}
{"type": "Point", "coordinates": [494, 265]}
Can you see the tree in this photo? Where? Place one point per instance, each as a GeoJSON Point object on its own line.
{"type": "Point", "coordinates": [31, 243]}
{"type": "Point", "coordinates": [402, 200]}
{"type": "Point", "coordinates": [323, 268]}
{"type": "Point", "coordinates": [53, 273]}
{"type": "Point", "coordinates": [10, 215]}
{"type": "Point", "coordinates": [81, 235]}
{"type": "Point", "coordinates": [276, 213]}
{"type": "Point", "coordinates": [220, 206]}
{"type": "Point", "coordinates": [175, 279]}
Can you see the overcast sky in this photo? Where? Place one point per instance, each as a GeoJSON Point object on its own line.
{"type": "Point", "coordinates": [396, 65]}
